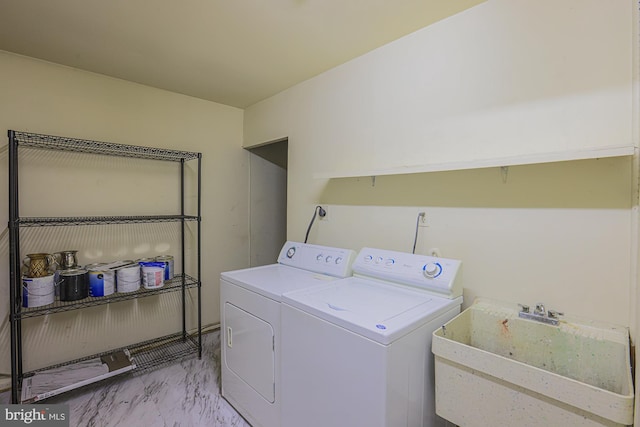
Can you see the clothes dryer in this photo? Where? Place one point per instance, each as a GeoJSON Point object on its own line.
{"type": "Point", "coordinates": [357, 351]}
{"type": "Point", "coordinates": [250, 324]}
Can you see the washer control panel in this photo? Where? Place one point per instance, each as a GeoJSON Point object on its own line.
{"type": "Point", "coordinates": [320, 259]}
{"type": "Point", "coordinates": [438, 275]}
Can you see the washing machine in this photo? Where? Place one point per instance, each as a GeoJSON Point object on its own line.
{"type": "Point", "coordinates": [356, 352]}
{"type": "Point", "coordinates": [250, 324]}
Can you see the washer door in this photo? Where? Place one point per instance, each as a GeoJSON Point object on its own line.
{"type": "Point", "coordinates": [249, 351]}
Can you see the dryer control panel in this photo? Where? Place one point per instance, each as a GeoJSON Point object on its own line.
{"type": "Point", "coordinates": [320, 259]}
{"type": "Point", "coordinates": [439, 275]}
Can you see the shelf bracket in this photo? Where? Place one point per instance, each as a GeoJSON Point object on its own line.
{"type": "Point", "coordinates": [504, 172]}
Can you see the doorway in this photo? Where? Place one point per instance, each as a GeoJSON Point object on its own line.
{"type": "Point", "coordinates": [267, 201]}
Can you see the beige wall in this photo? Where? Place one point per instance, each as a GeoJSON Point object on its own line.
{"type": "Point", "coordinates": [268, 207]}
{"type": "Point", "coordinates": [505, 78]}
{"type": "Point", "coordinates": [486, 83]}
{"type": "Point", "coordinates": [51, 99]}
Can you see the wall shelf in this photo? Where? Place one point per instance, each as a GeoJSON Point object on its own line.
{"type": "Point", "coordinates": [560, 156]}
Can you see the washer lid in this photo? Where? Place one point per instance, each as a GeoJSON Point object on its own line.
{"type": "Point", "coordinates": [273, 280]}
{"type": "Point", "coordinates": [379, 311]}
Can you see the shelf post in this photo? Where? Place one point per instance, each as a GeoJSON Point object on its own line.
{"type": "Point", "coordinates": [14, 270]}
{"type": "Point", "coordinates": [199, 257]}
{"type": "Point", "coordinates": [182, 236]}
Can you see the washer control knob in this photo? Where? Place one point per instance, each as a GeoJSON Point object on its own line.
{"type": "Point", "coordinates": [339, 260]}
{"type": "Point", "coordinates": [319, 257]}
{"type": "Point", "coordinates": [291, 252]}
{"type": "Point", "coordinates": [329, 258]}
{"type": "Point", "coordinates": [368, 258]}
{"type": "Point", "coordinates": [378, 260]}
{"type": "Point", "coordinates": [390, 261]}
{"type": "Point", "coordinates": [432, 270]}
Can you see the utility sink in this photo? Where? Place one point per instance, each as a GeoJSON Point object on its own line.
{"type": "Point", "coordinates": [494, 368]}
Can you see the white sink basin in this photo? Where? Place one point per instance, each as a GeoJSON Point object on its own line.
{"type": "Point", "coordinates": [494, 368]}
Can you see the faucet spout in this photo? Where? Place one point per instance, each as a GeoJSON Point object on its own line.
{"type": "Point", "coordinates": [540, 310]}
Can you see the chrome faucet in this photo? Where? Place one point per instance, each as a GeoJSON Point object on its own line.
{"type": "Point", "coordinates": [540, 314]}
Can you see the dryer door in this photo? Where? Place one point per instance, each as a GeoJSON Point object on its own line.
{"type": "Point", "coordinates": [249, 343]}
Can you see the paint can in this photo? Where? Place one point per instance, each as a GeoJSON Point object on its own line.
{"type": "Point", "coordinates": [152, 274]}
{"type": "Point", "coordinates": [37, 291]}
{"type": "Point", "coordinates": [73, 284]}
{"type": "Point", "coordinates": [128, 278]}
{"type": "Point", "coordinates": [101, 280]}
{"type": "Point", "coordinates": [56, 281]}
{"type": "Point", "coordinates": [119, 264]}
{"type": "Point", "coordinates": [168, 265]}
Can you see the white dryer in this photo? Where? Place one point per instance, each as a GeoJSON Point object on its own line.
{"type": "Point", "coordinates": [250, 324]}
{"type": "Point", "coordinates": [357, 352]}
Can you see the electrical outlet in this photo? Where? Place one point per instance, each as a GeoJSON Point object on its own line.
{"type": "Point", "coordinates": [435, 252]}
{"type": "Point", "coordinates": [326, 213]}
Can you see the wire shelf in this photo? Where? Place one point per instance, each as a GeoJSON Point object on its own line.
{"type": "Point", "coordinates": [60, 143]}
{"type": "Point", "coordinates": [172, 285]}
{"type": "Point", "coordinates": [162, 351]}
{"type": "Point", "coordinates": [146, 355]}
{"type": "Point", "coordinates": [95, 220]}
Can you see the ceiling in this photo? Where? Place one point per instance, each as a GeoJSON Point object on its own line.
{"type": "Point", "coordinates": [235, 52]}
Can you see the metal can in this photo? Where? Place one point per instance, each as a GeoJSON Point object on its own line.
{"type": "Point", "coordinates": [168, 265]}
{"type": "Point", "coordinates": [152, 274]}
{"type": "Point", "coordinates": [128, 278]}
{"type": "Point", "coordinates": [101, 280]}
{"type": "Point", "coordinates": [73, 284]}
{"type": "Point", "coordinates": [37, 291]}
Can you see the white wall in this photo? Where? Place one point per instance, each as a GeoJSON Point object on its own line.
{"type": "Point", "coordinates": [504, 78]}
{"type": "Point", "coordinates": [46, 98]}
{"type": "Point", "coordinates": [268, 209]}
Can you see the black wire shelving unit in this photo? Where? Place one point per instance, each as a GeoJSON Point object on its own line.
{"type": "Point", "coordinates": [149, 354]}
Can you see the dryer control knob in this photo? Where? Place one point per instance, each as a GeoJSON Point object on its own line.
{"type": "Point", "coordinates": [390, 261]}
{"type": "Point", "coordinates": [432, 270]}
{"type": "Point", "coordinates": [368, 258]}
{"type": "Point", "coordinates": [320, 257]}
{"type": "Point", "coordinates": [329, 258]}
{"type": "Point", "coordinates": [291, 252]}
{"type": "Point", "coordinates": [339, 260]}
{"type": "Point", "coordinates": [378, 260]}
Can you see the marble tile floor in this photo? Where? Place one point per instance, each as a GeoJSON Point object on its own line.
{"type": "Point", "coordinates": [185, 394]}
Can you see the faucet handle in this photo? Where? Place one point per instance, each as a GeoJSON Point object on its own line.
{"type": "Point", "coordinates": [555, 314]}
{"type": "Point", "coordinates": [524, 308]}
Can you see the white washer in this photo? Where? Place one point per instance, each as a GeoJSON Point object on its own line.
{"type": "Point", "coordinates": [357, 352]}
{"type": "Point", "coordinates": [250, 330]}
